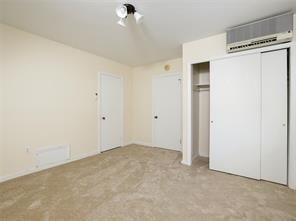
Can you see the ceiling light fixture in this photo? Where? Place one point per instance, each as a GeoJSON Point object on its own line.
{"type": "Point", "coordinates": [138, 17]}
{"type": "Point", "coordinates": [121, 11]}
{"type": "Point", "coordinates": [124, 10]}
{"type": "Point", "coordinates": [121, 22]}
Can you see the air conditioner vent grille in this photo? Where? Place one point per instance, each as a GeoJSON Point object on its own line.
{"type": "Point", "coordinates": [254, 43]}
{"type": "Point", "coordinates": [275, 30]}
{"type": "Point", "coordinates": [278, 24]}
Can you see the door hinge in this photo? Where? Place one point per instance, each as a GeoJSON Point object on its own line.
{"type": "Point", "coordinates": [181, 141]}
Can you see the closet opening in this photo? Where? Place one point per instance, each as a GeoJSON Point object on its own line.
{"type": "Point", "coordinates": [200, 111]}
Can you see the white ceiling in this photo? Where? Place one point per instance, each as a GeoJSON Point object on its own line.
{"type": "Point", "coordinates": [91, 24]}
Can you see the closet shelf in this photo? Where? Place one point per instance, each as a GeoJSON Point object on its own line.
{"type": "Point", "coordinates": [202, 85]}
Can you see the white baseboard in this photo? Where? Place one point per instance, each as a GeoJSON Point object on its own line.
{"type": "Point", "coordinates": [186, 163]}
{"type": "Point", "coordinates": [84, 155]}
{"type": "Point", "coordinates": [127, 144]}
{"type": "Point", "coordinates": [151, 145]}
{"type": "Point", "coordinates": [195, 156]}
{"type": "Point", "coordinates": [18, 174]}
{"type": "Point", "coordinates": [37, 169]}
{"type": "Point", "coordinates": [142, 143]}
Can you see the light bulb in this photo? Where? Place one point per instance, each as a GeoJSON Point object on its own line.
{"type": "Point", "coordinates": [121, 22]}
{"type": "Point", "coordinates": [138, 17]}
{"type": "Point", "coordinates": [121, 11]}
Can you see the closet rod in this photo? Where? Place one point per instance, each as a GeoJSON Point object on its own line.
{"type": "Point", "coordinates": [198, 90]}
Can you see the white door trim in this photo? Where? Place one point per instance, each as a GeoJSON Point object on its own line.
{"type": "Point", "coordinates": [99, 99]}
{"type": "Point", "coordinates": [292, 121]}
{"type": "Point", "coordinates": [187, 105]}
{"type": "Point", "coordinates": [187, 95]}
{"type": "Point", "coordinates": [153, 108]}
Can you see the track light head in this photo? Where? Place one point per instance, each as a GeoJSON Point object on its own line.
{"type": "Point", "coordinates": [121, 22]}
{"type": "Point", "coordinates": [121, 11]}
{"type": "Point", "coordinates": [139, 18]}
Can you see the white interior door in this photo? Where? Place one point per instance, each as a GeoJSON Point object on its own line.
{"type": "Point", "coordinates": [235, 113]}
{"type": "Point", "coordinates": [111, 111]}
{"type": "Point", "coordinates": [274, 117]}
{"type": "Point", "coordinates": [166, 99]}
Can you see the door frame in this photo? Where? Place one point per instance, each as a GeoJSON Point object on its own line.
{"type": "Point", "coordinates": [187, 105]}
{"type": "Point", "coordinates": [99, 106]}
{"type": "Point", "coordinates": [153, 108]}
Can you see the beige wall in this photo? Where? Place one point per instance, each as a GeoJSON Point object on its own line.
{"type": "Point", "coordinates": [50, 97]}
{"type": "Point", "coordinates": [1, 103]}
{"type": "Point", "coordinates": [198, 51]}
{"type": "Point", "coordinates": [142, 97]}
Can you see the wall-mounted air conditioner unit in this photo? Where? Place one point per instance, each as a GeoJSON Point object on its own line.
{"type": "Point", "coordinates": [266, 32]}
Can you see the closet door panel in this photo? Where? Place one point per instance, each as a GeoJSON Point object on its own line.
{"type": "Point", "coordinates": [235, 109]}
{"type": "Point", "coordinates": [274, 117]}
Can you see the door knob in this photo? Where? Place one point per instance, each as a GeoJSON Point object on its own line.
{"type": "Point", "coordinates": [103, 118]}
{"type": "Point", "coordinates": [155, 117]}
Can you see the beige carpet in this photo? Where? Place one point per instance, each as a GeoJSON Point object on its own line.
{"type": "Point", "coordinates": [141, 183]}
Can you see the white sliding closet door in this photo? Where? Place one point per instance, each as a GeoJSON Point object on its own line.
{"type": "Point", "coordinates": [274, 117]}
{"type": "Point", "coordinates": [235, 100]}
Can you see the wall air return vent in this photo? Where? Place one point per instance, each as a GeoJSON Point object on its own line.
{"type": "Point", "coordinates": [51, 155]}
{"type": "Point", "coordinates": [270, 31]}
